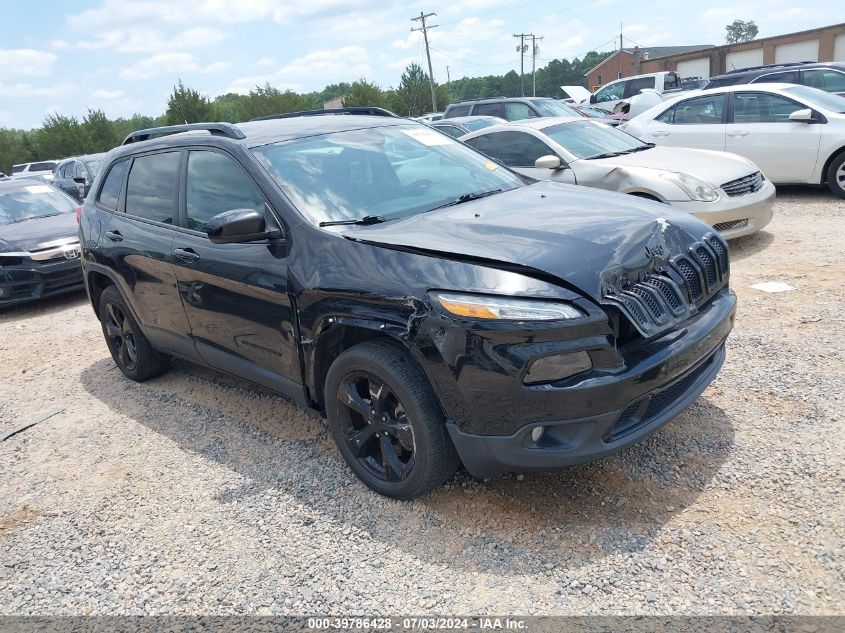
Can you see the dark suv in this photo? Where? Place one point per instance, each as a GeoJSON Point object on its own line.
{"type": "Point", "coordinates": [827, 76]}
{"type": "Point", "coordinates": [435, 306]}
{"type": "Point", "coordinates": [510, 108]}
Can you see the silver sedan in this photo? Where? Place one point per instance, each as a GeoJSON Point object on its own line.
{"type": "Point", "coordinates": [724, 190]}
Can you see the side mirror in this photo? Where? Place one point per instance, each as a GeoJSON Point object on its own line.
{"type": "Point", "coordinates": [239, 225]}
{"type": "Point", "coordinates": [82, 180]}
{"type": "Point", "coordinates": [547, 162]}
{"type": "Point", "coordinates": [593, 98]}
{"type": "Point", "coordinates": [802, 116]}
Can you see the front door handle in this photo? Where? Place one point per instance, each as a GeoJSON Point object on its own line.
{"type": "Point", "coordinates": [187, 255]}
{"type": "Point", "coordinates": [114, 236]}
{"type": "Point", "coordinates": [738, 133]}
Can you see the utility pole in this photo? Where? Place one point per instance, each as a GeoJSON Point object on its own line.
{"type": "Point", "coordinates": [424, 30]}
{"type": "Point", "coordinates": [534, 49]}
{"type": "Point", "coordinates": [620, 51]}
{"type": "Point", "coordinates": [522, 48]}
{"type": "Point", "coordinates": [448, 78]}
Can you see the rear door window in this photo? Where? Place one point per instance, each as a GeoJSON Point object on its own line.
{"type": "Point", "coordinates": [516, 111]}
{"type": "Point", "coordinates": [762, 107]}
{"type": "Point", "coordinates": [490, 109]}
{"type": "Point", "coordinates": [110, 191]}
{"type": "Point", "coordinates": [153, 186]}
{"type": "Point", "coordinates": [824, 79]}
{"type": "Point", "coordinates": [786, 77]}
{"type": "Point", "coordinates": [458, 110]}
{"type": "Point", "coordinates": [698, 111]}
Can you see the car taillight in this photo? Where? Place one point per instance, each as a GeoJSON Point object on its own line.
{"type": "Point", "coordinates": [78, 213]}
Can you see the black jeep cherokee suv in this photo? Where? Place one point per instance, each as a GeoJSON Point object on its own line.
{"type": "Point", "coordinates": [434, 305]}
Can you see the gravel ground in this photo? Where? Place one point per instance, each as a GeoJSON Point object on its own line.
{"type": "Point", "coordinates": [200, 494]}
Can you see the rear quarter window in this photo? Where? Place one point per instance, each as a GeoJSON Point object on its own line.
{"type": "Point", "coordinates": [458, 110]}
{"type": "Point", "coordinates": [112, 186]}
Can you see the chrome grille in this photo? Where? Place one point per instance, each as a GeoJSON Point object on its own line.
{"type": "Point", "coordinates": [745, 185]}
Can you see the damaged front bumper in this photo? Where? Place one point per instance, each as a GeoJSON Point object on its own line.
{"type": "Point", "coordinates": [31, 280]}
{"type": "Point", "coordinates": [588, 416]}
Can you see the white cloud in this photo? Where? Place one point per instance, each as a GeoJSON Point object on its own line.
{"type": "Point", "coordinates": [242, 85]}
{"type": "Point", "coordinates": [101, 94]}
{"type": "Point", "coordinates": [159, 64]}
{"type": "Point", "coordinates": [28, 90]}
{"type": "Point", "coordinates": [145, 40]}
{"type": "Point", "coordinates": [347, 62]}
{"type": "Point", "coordinates": [216, 68]}
{"type": "Point", "coordinates": [265, 62]}
{"type": "Point", "coordinates": [788, 14]}
{"type": "Point", "coordinates": [25, 62]}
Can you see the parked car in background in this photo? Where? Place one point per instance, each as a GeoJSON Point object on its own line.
{"type": "Point", "coordinates": [42, 169]}
{"type": "Point", "coordinates": [592, 112]}
{"type": "Point", "coordinates": [428, 118]}
{"type": "Point", "coordinates": [795, 134]}
{"type": "Point", "coordinates": [613, 92]}
{"type": "Point", "coordinates": [827, 76]}
{"type": "Point", "coordinates": [437, 307]}
{"type": "Point", "coordinates": [461, 125]}
{"type": "Point", "coordinates": [509, 108]}
{"type": "Point", "coordinates": [724, 190]}
{"type": "Point", "coordinates": [39, 246]}
{"type": "Point", "coordinates": [75, 175]}
{"type": "Point", "coordinates": [693, 83]}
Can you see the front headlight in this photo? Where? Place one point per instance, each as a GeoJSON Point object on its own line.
{"type": "Point", "coordinates": [505, 308]}
{"type": "Point", "coordinates": [696, 189]}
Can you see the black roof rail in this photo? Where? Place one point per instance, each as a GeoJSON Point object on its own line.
{"type": "Point", "coordinates": [765, 66]}
{"type": "Point", "coordinates": [364, 110]}
{"type": "Point", "coordinates": [218, 129]}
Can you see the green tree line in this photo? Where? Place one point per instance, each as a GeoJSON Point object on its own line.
{"type": "Point", "coordinates": [60, 136]}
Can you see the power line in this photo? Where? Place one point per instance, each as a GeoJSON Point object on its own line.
{"type": "Point", "coordinates": [424, 30]}
{"type": "Point", "coordinates": [466, 61]}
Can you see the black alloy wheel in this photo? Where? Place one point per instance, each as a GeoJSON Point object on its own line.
{"type": "Point", "coordinates": [120, 337]}
{"type": "Point", "coordinates": [376, 426]}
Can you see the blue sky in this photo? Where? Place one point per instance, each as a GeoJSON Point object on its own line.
{"type": "Point", "coordinates": [124, 57]}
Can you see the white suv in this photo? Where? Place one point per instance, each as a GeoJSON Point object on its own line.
{"type": "Point", "coordinates": [43, 169]}
{"type": "Point", "coordinates": [612, 93]}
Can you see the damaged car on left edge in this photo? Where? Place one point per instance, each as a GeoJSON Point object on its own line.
{"type": "Point", "coordinates": [437, 307]}
{"type": "Point", "coordinates": [39, 246]}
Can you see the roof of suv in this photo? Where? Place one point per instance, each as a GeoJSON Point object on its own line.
{"type": "Point", "coordinates": [743, 75]}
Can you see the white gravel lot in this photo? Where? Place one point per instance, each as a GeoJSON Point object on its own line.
{"type": "Point", "coordinates": [199, 494]}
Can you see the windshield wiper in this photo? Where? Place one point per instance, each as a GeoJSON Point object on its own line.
{"type": "Point", "coordinates": [34, 217]}
{"type": "Point", "coordinates": [467, 197]}
{"type": "Point", "coordinates": [605, 155]}
{"type": "Point", "coordinates": [367, 219]}
{"type": "Point", "coordinates": [639, 148]}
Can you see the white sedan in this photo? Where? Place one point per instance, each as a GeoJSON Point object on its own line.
{"type": "Point", "coordinates": [724, 190]}
{"type": "Point", "coordinates": [795, 134]}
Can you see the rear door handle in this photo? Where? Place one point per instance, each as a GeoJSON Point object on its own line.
{"type": "Point", "coordinates": [738, 133]}
{"type": "Point", "coordinates": [114, 236]}
{"type": "Point", "coordinates": [187, 255]}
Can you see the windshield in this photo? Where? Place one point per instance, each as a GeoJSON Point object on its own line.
{"type": "Point", "coordinates": [820, 98]}
{"type": "Point", "coordinates": [32, 201]}
{"type": "Point", "coordinates": [388, 172]}
{"type": "Point", "coordinates": [16, 169]}
{"type": "Point", "coordinates": [588, 139]}
{"type": "Point", "coordinates": [550, 107]}
{"type": "Point", "coordinates": [94, 165]}
{"type": "Point", "coordinates": [45, 166]}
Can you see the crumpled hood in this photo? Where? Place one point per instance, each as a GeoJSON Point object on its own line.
{"type": "Point", "coordinates": [593, 240]}
{"type": "Point", "coordinates": [714, 168]}
{"type": "Point", "coordinates": [30, 235]}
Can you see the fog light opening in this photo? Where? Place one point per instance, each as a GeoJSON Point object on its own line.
{"type": "Point", "coordinates": [557, 367]}
{"type": "Point", "coordinates": [537, 433]}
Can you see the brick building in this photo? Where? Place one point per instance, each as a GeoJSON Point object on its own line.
{"type": "Point", "coordinates": [824, 44]}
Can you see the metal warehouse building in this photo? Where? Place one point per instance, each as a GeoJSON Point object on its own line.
{"type": "Point", "coordinates": [818, 45]}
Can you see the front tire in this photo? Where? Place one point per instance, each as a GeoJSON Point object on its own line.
{"type": "Point", "coordinates": [129, 348]}
{"type": "Point", "coordinates": [387, 422]}
{"type": "Point", "coordinates": [836, 175]}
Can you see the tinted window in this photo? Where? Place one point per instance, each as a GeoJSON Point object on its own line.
{"type": "Point", "coordinates": [611, 92]}
{"type": "Point", "coordinates": [217, 184]}
{"type": "Point", "coordinates": [760, 107]}
{"type": "Point", "coordinates": [110, 191]}
{"type": "Point", "coordinates": [639, 84]}
{"type": "Point", "coordinates": [17, 169]}
{"type": "Point", "coordinates": [515, 111]}
{"type": "Point", "coordinates": [787, 77]}
{"type": "Point", "coordinates": [153, 183]}
{"type": "Point", "coordinates": [490, 109]}
{"type": "Point", "coordinates": [514, 149]}
{"type": "Point", "coordinates": [459, 110]}
{"type": "Point", "coordinates": [551, 107]}
{"type": "Point", "coordinates": [828, 80]}
{"type": "Point", "coordinates": [63, 171]}
{"type": "Point", "coordinates": [698, 111]}
{"type": "Point", "coordinates": [478, 124]}
{"type": "Point", "coordinates": [671, 81]}
{"type": "Point", "coordinates": [45, 166]}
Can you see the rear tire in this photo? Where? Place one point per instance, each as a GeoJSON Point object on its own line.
{"type": "Point", "coordinates": [387, 422]}
{"type": "Point", "coordinates": [129, 348]}
{"type": "Point", "coordinates": [836, 175]}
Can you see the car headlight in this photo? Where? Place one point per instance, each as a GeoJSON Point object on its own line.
{"type": "Point", "coordinates": [505, 308]}
{"type": "Point", "coordinates": [696, 189]}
